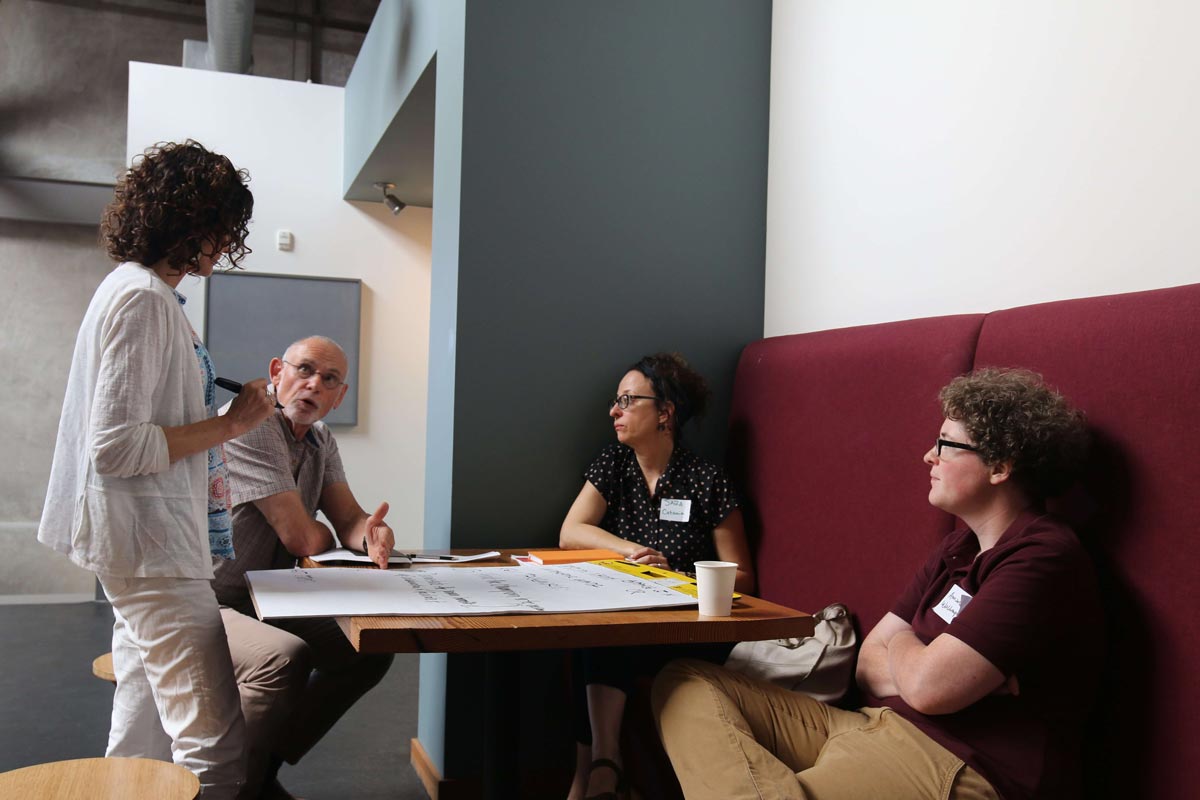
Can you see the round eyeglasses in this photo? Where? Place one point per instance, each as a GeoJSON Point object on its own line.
{"type": "Point", "coordinates": [306, 371]}
{"type": "Point", "coordinates": [622, 401]}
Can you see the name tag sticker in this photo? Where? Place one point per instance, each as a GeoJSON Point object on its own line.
{"type": "Point", "coordinates": [675, 510]}
{"type": "Point", "coordinates": [952, 604]}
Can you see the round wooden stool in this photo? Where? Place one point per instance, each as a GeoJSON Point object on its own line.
{"type": "Point", "coordinates": [102, 667]}
{"type": "Point", "coordinates": [101, 779]}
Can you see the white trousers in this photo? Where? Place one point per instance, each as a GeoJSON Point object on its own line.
{"type": "Point", "coordinates": [176, 697]}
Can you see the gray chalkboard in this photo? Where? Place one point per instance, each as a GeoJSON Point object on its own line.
{"type": "Point", "coordinates": [251, 318]}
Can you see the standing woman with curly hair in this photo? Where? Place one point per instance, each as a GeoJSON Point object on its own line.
{"type": "Point", "coordinates": [137, 489]}
{"type": "Point", "coordinates": [656, 502]}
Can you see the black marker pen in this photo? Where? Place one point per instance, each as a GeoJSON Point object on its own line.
{"type": "Point", "coordinates": [236, 388]}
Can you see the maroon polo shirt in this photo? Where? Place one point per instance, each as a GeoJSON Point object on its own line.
{"type": "Point", "coordinates": [1034, 612]}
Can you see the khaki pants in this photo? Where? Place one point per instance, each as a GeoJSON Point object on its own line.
{"type": "Point", "coordinates": [736, 738]}
{"type": "Point", "coordinates": [296, 678]}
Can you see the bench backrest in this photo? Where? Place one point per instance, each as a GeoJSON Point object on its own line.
{"type": "Point", "coordinates": [827, 431]}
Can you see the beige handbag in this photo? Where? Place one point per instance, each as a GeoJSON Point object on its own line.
{"type": "Point", "coordinates": [820, 665]}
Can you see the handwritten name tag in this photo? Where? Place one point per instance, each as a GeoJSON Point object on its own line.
{"type": "Point", "coordinates": [952, 604]}
{"type": "Point", "coordinates": [673, 510]}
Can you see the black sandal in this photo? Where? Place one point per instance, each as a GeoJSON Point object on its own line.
{"type": "Point", "coordinates": [622, 790]}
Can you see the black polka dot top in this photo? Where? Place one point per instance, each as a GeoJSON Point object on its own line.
{"type": "Point", "coordinates": [633, 514]}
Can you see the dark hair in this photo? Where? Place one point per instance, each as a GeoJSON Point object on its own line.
{"type": "Point", "coordinates": [1011, 415]}
{"type": "Point", "coordinates": [675, 381]}
{"type": "Point", "coordinates": [174, 200]}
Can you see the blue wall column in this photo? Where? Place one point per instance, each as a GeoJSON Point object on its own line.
{"type": "Point", "coordinates": [599, 193]}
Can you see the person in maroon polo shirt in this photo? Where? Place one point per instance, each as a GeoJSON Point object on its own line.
{"type": "Point", "coordinates": [980, 678]}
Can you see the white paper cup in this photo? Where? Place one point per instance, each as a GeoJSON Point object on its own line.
{"type": "Point", "coordinates": [714, 584]}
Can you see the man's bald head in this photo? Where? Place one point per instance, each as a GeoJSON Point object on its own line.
{"type": "Point", "coordinates": [321, 342]}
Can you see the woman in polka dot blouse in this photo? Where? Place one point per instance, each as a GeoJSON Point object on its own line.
{"type": "Point", "coordinates": [653, 500]}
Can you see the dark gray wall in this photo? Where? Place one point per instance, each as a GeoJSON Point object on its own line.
{"type": "Point", "coordinates": [612, 202]}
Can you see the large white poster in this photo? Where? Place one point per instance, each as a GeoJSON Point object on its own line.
{"type": "Point", "coordinates": [433, 591]}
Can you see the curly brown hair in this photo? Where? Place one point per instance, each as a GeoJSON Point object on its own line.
{"type": "Point", "coordinates": [175, 200]}
{"type": "Point", "coordinates": [674, 380]}
{"type": "Point", "coordinates": [1011, 415]}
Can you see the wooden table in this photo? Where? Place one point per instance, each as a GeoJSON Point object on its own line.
{"type": "Point", "coordinates": [101, 779]}
{"type": "Point", "coordinates": [752, 619]}
{"type": "Point", "coordinates": [500, 637]}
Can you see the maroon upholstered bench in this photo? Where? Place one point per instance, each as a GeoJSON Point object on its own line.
{"type": "Point", "coordinates": [827, 432]}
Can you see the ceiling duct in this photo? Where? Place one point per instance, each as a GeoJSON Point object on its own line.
{"type": "Point", "coordinates": [230, 30]}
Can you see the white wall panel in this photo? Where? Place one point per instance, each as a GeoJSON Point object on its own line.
{"type": "Point", "coordinates": [940, 157]}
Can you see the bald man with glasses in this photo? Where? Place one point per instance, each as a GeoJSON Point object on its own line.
{"type": "Point", "coordinates": [296, 677]}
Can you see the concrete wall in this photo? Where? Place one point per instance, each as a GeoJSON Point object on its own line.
{"type": "Point", "coordinates": [48, 274]}
{"type": "Point", "coordinates": [947, 157]}
{"type": "Point", "coordinates": [63, 73]}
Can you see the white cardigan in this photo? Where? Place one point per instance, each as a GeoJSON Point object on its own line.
{"type": "Point", "coordinates": [115, 505]}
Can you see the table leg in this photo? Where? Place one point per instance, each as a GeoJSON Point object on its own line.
{"type": "Point", "coordinates": [501, 726]}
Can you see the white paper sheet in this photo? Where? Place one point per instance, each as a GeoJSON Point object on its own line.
{"type": "Point", "coordinates": [428, 557]}
{"type": "Point", "coordinates": [434, 591]}
{"type": "Point", "coordinates": [342, 554]}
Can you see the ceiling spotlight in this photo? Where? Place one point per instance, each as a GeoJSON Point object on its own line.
{"type": "Point", "coordinates": [390, 200]}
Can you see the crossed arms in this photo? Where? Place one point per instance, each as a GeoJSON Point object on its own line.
{"type": "Point", "coordinates": [945, 676]}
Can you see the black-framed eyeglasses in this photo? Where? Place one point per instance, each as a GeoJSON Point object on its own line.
{"type": "Point", "coordinates": [623, 400]}
{"type": "Point", "coordinates": [306, 371]}
{"type": "Point", "coordinates": [956, 445]}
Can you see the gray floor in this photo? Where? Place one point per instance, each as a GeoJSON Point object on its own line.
{"type": "Point", "coordinates": [53, 708]}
